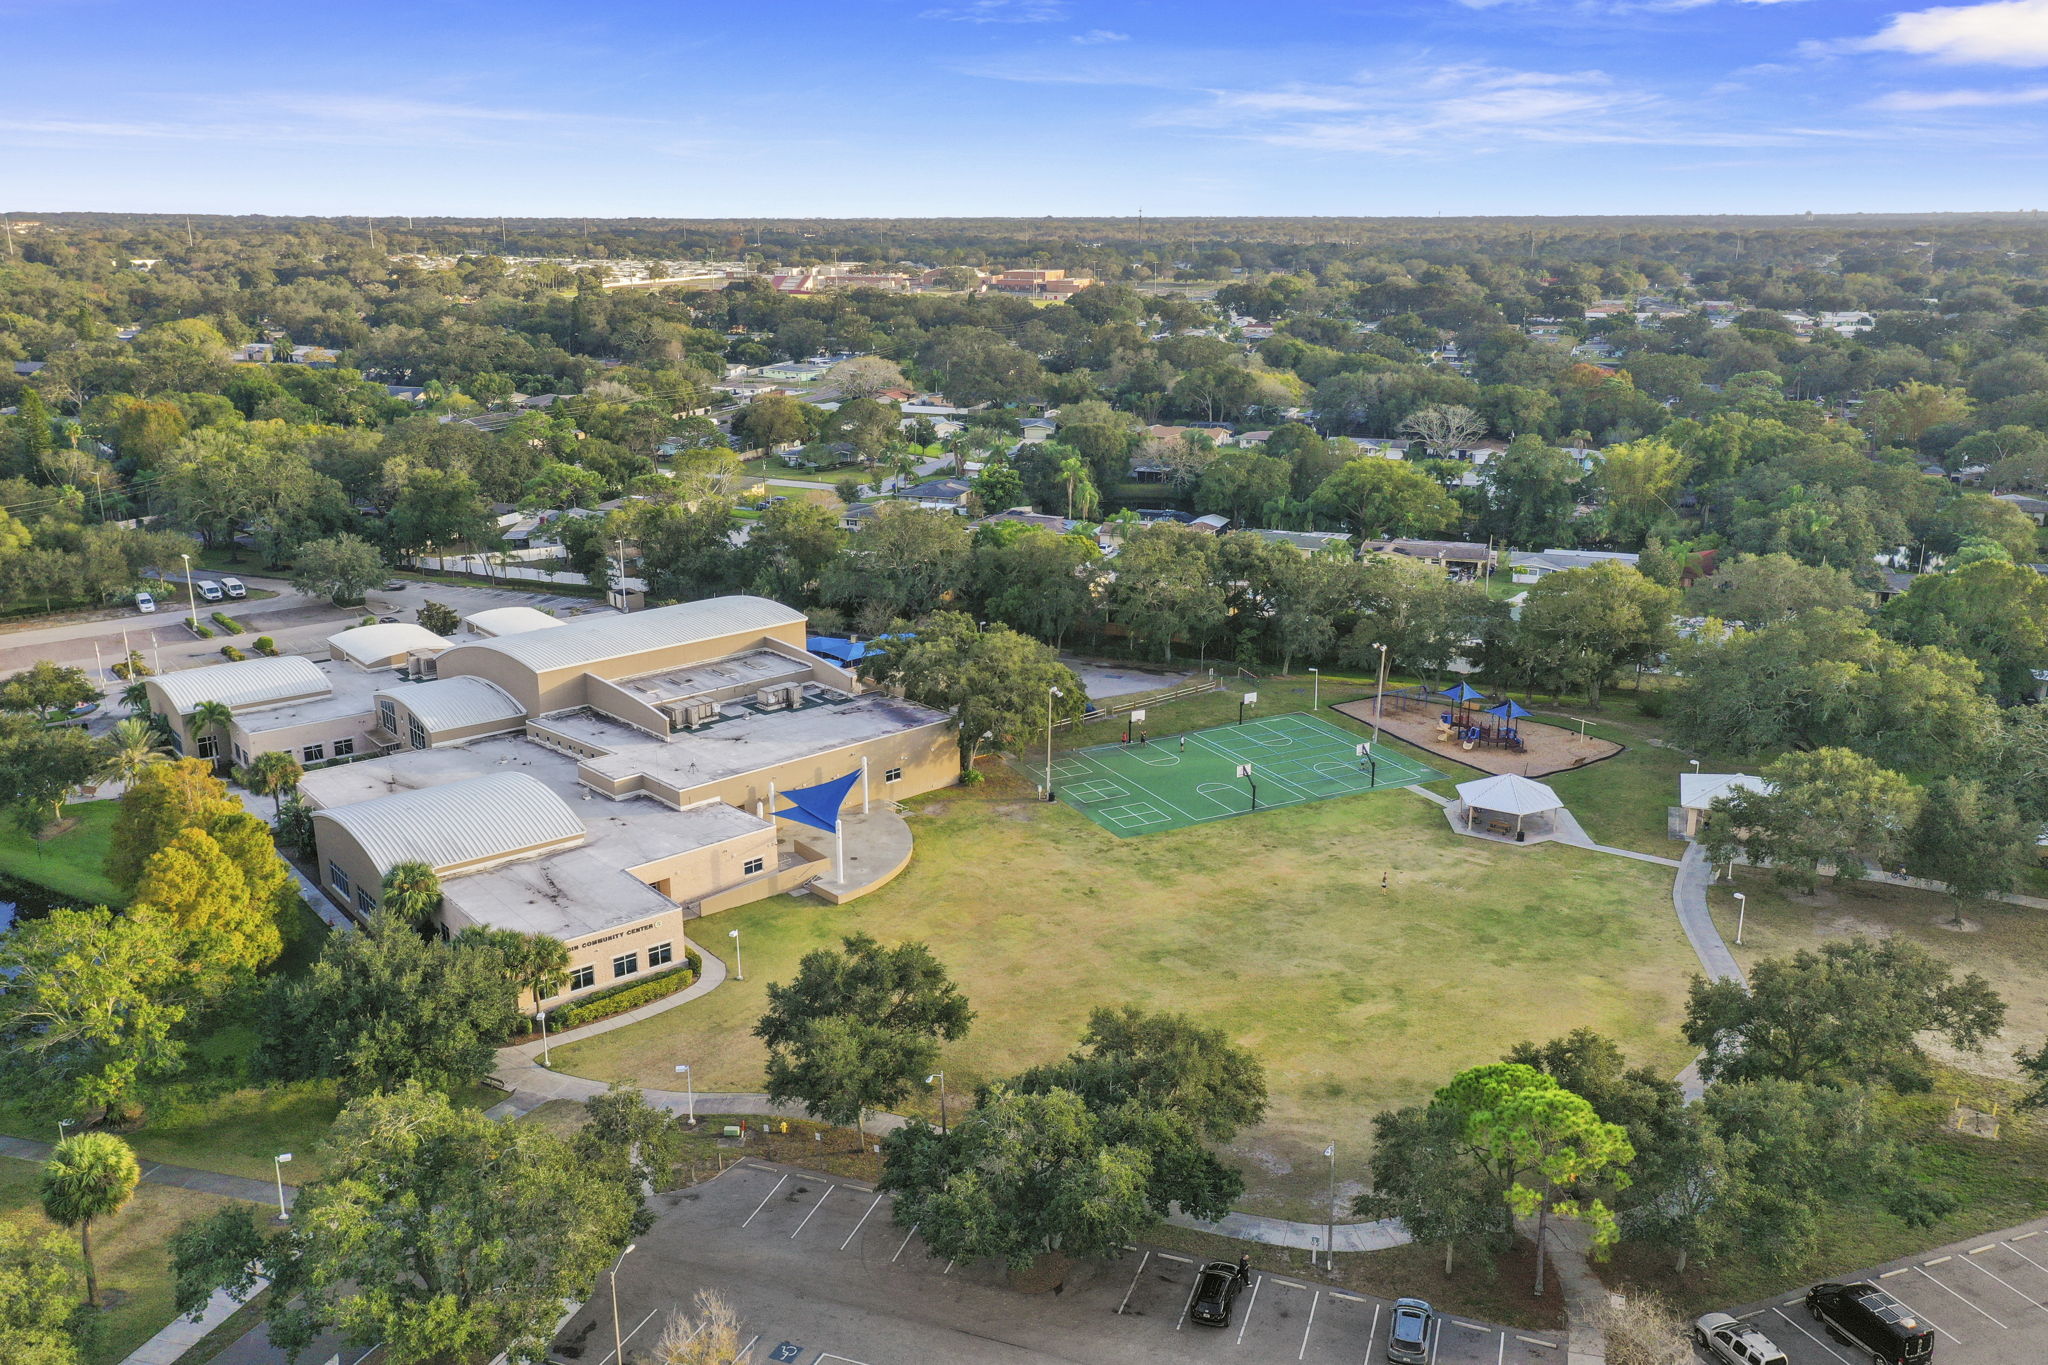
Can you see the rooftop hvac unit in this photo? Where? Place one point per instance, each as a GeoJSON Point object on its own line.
{"type": "Point", "coordinates": [696, 713]}
{"type": "Point", "coordinates": [782, 696]}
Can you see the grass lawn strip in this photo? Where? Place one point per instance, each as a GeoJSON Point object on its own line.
{"type": "Point", "coordinates": [71, 863]}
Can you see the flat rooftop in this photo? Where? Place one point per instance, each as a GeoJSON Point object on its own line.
{"type": "Point", "coordinates": [352, 690]}
{"type": "Point", "coordinates": [530, 895]}
{"type": "Point", "coordinates": [743, 741]}
{"type": "Point", "coordinates": [751, 668]}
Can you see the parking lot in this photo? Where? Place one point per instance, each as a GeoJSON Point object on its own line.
{"type": "Point", "coordinates": [1985, 1298]}
{"type": "Point", "coordinates": [821, 1275]}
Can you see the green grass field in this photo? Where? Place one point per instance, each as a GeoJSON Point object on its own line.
{"type": "Point", "coordinates": [1171, 781]}
{"type": "Point", "coordinates": [1273, 927]}
{"type": "Point", "coordinates": [70, 863]}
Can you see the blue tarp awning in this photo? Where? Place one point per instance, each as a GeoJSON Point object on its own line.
{"type": "Point", "coordinates": [818, 806]}
{"type": "Point", "coordinates": [1507, 710]}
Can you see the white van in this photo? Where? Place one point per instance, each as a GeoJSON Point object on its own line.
{"type": "Point", "coordinates": [145, 603]}
{"type": "Point", "coordinates": [233, 587]}
{"type": "Point", "coordinates": [209, 589]}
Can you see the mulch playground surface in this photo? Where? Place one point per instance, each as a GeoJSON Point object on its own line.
{"type": "Point", "coordinates": [1550, 748]}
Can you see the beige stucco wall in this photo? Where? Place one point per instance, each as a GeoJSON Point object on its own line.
{"type": "Point", "coordinates": [457, 734]}
{"type": "Point", "coordinates": [699, 872]}
{"type": "Point", "coordinates": [560, 688]}
{"type": "Point", "coordinates": [292, 739]}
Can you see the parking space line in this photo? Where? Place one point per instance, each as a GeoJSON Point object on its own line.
{"type": "Point", "coordinates": [1795, 1326]}
{"type": "Point", "coordinates": [610, 1355]}
{"type": "Point", "coordinates": [741, 1354]}
{"type": "Point", "coordinates": [1436, 1339]}
{"type": "Point", "coordinates": [1500, 1357]}
{"type": "Point", "coordinates": [949, 1266]}
{"type": "Point", "coordinates": [904, 1243]}
{"type": "Point", "coordinates": [1120, 1308]}
{"type": "Point", "coordinates": [2007, 1283]}
{"type": "Point", "coordinates": [1930, 1321]}
{"type": "Point", "coordinates": [1960, 1299]}
{"type": "Point", "coordinates": [1182, 1320]}
{"type": "Point", "coordinates": [764, 1200]}
{"type": "Point", "coordinates": [2023, 1255]}
{"type": "Point", "coordinates": [861, 1224]}
{"type": "Point", "coordinates": [822, 1359]}
{"type": "Point", "coordinates": [814, 1211]}
{"type": "Point", "coordinates": [1302, 1354]}
{"type": "Point", "coordinates": [1372, 1333]}
{"type": "Point", "coordinates": [1250, 1304]}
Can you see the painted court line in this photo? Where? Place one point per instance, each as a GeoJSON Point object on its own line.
{"type": "Point", "coordinates": [814, 1211]}
{"type": "Point", "coordinates": [764, 1200]}
{"type": "Point", "coordinates": [861, 1224]}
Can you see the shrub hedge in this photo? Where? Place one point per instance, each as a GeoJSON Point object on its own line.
{"type": "Point", "coordinates": [232, 654]}
{"type": "Point", "coordinates": [629, 995]}
{"type": "Point", "coordinates": [263, 644]}
{"type": "Point", "coordinates": [228, 623]}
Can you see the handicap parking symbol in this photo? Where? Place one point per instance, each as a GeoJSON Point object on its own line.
{"type": "Point", "coordinates": [788, 1350]}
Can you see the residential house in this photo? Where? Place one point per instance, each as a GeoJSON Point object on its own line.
{"type": "Point", "coordinates": [1531, 567]}
{"type": "Point", "coordinates": [1466, 556]}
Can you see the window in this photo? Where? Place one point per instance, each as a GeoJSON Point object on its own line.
{"type": "Point", "coordinates": [892, 775]}
{"type": "Point", "coordinates": [314, 753]}
{"type": "Point", "coordinates": [336, 878]}
{"type": "Point", "coordinates": [365, 902]}
{"type": "Point", "coordinates": [753, 865]}
{"type": "Point", "coordinates": [415, 732]}
{"type": "Point", "coordinates": [625, 964]}
{"type": "Point", "coordinates": [660, 955]}
{"type": "Point", "coordinates": [241, 756]}
{"type": "Point", "coordinates": [208, 746]}
{"type": "Point", "coordinates": [582, 978]}
{"type": "Point", "coordinates": [344, 748]}
{"type": "Point", "coordinates": [387, 715]}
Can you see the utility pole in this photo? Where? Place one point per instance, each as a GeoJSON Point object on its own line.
{"type": "Point", "coordinates": [188, 233]}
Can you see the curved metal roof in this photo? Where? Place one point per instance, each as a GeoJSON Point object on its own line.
{"type": "Point", "coordinates": [451, 826]}
{"type": "Point", "coordinates": [245, 683]}
{"type": "Point", "coordinates": [502, 621]}
{"type": "Point", "coordinates": [455, 703]}
{"type": "Point", "coordinates": [373, 646]}
{"type": "Point", "coordinates": [593, 639]}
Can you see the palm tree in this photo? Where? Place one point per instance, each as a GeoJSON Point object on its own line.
{"type": "Point", "coordinates": [215, 718]}
{"type": "Point", "coordinates": [272, 774]}
{"type": "Point", "coordinates": [135, 696]}
{"type": "Point", "coordinates": [132, 745]}
{"type": "Point", "coordinates": [412, 892]}
{"type": "Point", "coordinates": [1073, 471]}
{"type": "Point", "coordinates": [89, 1176]}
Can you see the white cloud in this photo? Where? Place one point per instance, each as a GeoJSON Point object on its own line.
{"type": "Point", "coordinates": [1096, 36]}
{"type": "Point", "coordinates": [2002, 33]}
{"type": "Point", "coordinates": [999, 12]}
{"type": "Point", "coordinates": [1916, 101]}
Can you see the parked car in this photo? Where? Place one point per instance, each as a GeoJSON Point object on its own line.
{"type": "Point", "coordinates": [396, 585]}
{"type": "Point", "coordinates": [233, 587]}
{"type": "Point", "coordinates": [209, 589]}
{"type": "Point", "coordinates": [1733, 1342]}
{"type": "Point", "coordinates": [1860, 1314]}
{"type": "Point", "coordinates": [1216, 1291]}
{"type": "Point", "coordinates": [145, 603]}
{"type": "Point", "coordinates": [1408, 1332]}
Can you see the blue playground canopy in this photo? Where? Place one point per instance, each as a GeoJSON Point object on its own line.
{"type": "Point", "coordinates": [1507, 710]}
{"type": "Point", "coordinates": [1463, 692]}
{"type": "Point", "coordinates": [818, 806]}
{"type": "Point", "coordinates": [840, 651]}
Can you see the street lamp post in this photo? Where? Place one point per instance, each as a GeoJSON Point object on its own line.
{"type": "Point", "coordinates": [63, 1128]}
{"type": "Point", "coordinates": [690, 1081]}
{"type": "Point", "coordinates": [191, 597]}
{"type": "Point", "coordinates": [277, 1164]}
{"type": "Point", "coordinates": [1050, 693]}
{"type": "Point", "coordinates": [1741, 915]}
{"type": "Point", "coordinates": [545, 1059]}
{"type": "Point", "coordinates": [1330, 1245]}
{"type": "Point", "coordinates": [619, 1342]}
{"type": "Point", "coordinates": [939, 1078]}
{"type": "Point", "coordinates": [739, 969]}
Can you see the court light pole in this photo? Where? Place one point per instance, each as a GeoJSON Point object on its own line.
{"type": "Point", "coordinates": [618, 1342]}
{"type": "Point", "coordinates": [739, 969]}
{"type": "Point", "coordinates": [545, 1060]}
{"type": "Point", "coordinates": [1379, 697]}
{"type": "Point", "coordinates": [1741, 916]}
{"type": "Point", "coordinates": [1050, 693]}
{"type": "Point", "coordinates": [1315, 684]}
{"type": "Point", "coordinates": [690, 1080]}
{"type": "Point", "coordinates": [277, 1164]}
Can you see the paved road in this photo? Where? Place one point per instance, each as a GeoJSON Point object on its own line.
{"type": "Point", "coordinates": [1986, 1298]}
{"type": "Point", "coordinates": [821, 1275]}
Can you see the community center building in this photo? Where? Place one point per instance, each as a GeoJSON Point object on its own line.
{"type": "Point", "coordinates": [601, 780]}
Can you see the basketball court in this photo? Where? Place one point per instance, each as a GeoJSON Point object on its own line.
{"type": "Point", "coordinates": [1173, 781]}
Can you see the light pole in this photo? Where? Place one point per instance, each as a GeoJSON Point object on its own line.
{"type": "Point", "coordinates": [1050, 693]}
{"type": "Point", "coordinates": [191, 598]}
{"type": "Point", "coordinates": [545, 1059]}
{"type": "Point", "coordinates": [618, 1342]}
{"type": "Point", "coordinates": [1695, 766]}
{"type": "Point", "coordinates": [939, 1078]}
{"type": "Point", "coordinates": [1379, 697]}
{"type": "Point", "coordinates": [690, 1080]}
{"type": "Point", "coordinates": [739, 969]}
{"type": "Point", "coordinates": [277, 1164]}
{"type": "Point", "coordinates": [63, 1128]}
{"type": "Point", "coordinates": [1315, 684]}
{"type": "Point", "coordinates": [1330, 1245]}
{"type": "Point", "coordinates": [1741, 915]}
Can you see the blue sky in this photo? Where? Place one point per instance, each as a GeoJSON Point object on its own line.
{"type": "Point", "coordinates": [937, 107]}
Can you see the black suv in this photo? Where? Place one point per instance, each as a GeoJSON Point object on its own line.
{"type": "Point", "coordinates": [1216, 1291]}
{"type": "Point", "coordinates": [1860, 1314]}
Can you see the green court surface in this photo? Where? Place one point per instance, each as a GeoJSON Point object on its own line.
{"type": "Point", "coordinates": [1173, 781]}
